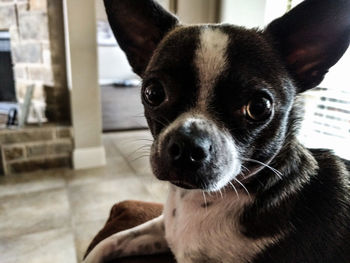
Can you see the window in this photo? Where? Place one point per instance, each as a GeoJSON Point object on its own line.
{"type": "Point", "coordinates": [327, 112]}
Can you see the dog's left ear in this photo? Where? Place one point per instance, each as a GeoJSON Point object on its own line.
{"type": "Point", "coordinates": [311, 38]}
{"type": "Point", "coordinates": [139, 26]}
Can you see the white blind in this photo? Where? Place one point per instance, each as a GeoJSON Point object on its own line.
{"type": "Point", "coordinates": [326, 122]}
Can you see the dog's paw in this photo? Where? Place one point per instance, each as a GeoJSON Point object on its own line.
{"type": "Point", "coordinates": [124, 244]}
{"type": "Point", "coordinates": [132, 243]}
{"type": "Point", "coordinates": [114, 247]}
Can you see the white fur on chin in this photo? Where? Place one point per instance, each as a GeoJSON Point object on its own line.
{"type": "Point", "coordinates": [197, 232]}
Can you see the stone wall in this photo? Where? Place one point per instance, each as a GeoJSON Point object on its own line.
{"type": "Point", "coordinates": [37, 45]}
{"type": "Point", "coordinates": [32, 149]}
{"type": "Point", "coordinates": [38, 53]}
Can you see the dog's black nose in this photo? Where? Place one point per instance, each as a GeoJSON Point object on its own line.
{"type": "Point", "coordinates": [188, 149]}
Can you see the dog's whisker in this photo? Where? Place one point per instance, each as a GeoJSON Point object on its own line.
{"type": "Point", "coordinates": [140, 157]}
{"type": "Point", "coordinates": [222, 197]}
{"type": "Point", "coordinates": [139, 149]}
{"type": "Point", "coordinates": [140, 115]}
{"type": "Point", "coordinates": [241, 184]}
{"type": "Point", "coordinates": [278, 173]}
{"type": "Point", "coordinates": [223, 190]}
{"type": "Point", "coordinates": [166, 120]}
{"type": "Point", "coordinates": [141, 140]}
{"type": "Point", "coordinates": [162, 121]}
{"type": "Point", "coordinates": [129, 142]}
{"type": "Point", "coordinates": [245, 168]}
{"type": "Point", "coordinates": [234, 188]}
{"type": "Point", "coordinates": [145, 151]}
{"type": "Point", "coordinates": [205, 201]}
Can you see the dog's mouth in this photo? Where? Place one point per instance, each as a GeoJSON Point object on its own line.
{"type": "Point", "coordinates": [184, 185]}
{"type": "Point", "coordinates": [209, 177]}
{"type": "Point", "coordinates": [182, 179]}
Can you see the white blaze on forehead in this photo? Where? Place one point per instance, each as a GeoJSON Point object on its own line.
{"type": "Point", "coordinates": [210, 60]}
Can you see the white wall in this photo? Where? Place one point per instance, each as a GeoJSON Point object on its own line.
{"type": "Point", "coordinates": [248, 13]}
{"type": "Point", "coordinates": [113, 65]}
{"type": "Point", "coordinates": [253, 13]}
{"type": "Point", "coordinates": [274, 9]}
{"type": "Point", "coordinates": [338, 76]}
{"type": "Point", "coordinates": [164, 3]}
{"type": "Point", "coordinates": [197, 11]}
{"type": "Point", "coordinates": [112, 62]}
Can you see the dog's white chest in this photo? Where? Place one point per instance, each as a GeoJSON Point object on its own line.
{"type": "Point", "coordinates": [197, 233]}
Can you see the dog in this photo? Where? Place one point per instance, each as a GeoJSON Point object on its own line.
{"type": "Point", "coordinates": [222, 103]}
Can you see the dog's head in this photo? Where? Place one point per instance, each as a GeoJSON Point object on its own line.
{"type": "Point", "coordinates": [217, 97]}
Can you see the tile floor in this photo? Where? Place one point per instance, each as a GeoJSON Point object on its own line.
{"type": "Point", "coordinates": [52, 216]}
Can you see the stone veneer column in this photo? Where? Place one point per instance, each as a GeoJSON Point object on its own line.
{"type": "Point", "coordinates": [37, 48]}
{"type": "Point", "coordinates": [82, 73]}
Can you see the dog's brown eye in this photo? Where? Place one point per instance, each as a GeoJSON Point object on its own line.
{"type": "Point", "coordinates": [258, 109]}
{"type": "Point", "coordinates": [154, 94]}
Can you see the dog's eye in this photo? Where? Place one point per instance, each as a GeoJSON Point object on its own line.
{"type": "Point", "coordinates": [154, 94]}
{"type": "Point", "coordinates": [258, 109]}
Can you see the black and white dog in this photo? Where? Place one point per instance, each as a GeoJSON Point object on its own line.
{"type": "Point", "coordinates": [221, 103]}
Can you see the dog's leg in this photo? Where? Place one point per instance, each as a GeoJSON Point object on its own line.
{"type": "Point", "coordinates": [145, 239]}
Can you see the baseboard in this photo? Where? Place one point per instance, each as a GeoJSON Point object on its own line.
{"type": "Point", "coordinates": [85, 158]}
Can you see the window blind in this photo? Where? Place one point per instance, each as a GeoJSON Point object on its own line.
{"type": "Point", "coordinates": [326, 121]}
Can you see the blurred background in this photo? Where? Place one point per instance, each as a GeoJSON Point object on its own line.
{"type": "Point", "coordinates": [73, 139]}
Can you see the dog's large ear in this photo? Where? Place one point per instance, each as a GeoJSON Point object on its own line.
{"type": "Point", "coordinates": [139, 26]}
{"type": "Point", "coordinates": [312, 37]}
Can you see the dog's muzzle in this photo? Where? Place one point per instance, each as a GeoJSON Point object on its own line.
{"type": "Point", "coordinates": [193, 153]}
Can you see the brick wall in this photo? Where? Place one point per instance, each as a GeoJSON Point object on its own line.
{"type": "Point", "coordinates": [32, 149]}
{"type": "Point", "coordinates": [37, 45]}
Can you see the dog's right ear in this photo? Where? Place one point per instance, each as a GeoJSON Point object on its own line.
{"type": "Point", "coordinates": [139, 26]}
